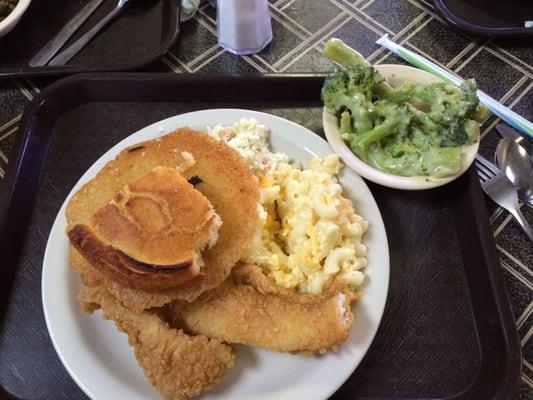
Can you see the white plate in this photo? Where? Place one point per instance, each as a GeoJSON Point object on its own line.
{"type": "Point", "coordinates": [99, 358]}
{"type": "Point", "coordinates": [396, 75]}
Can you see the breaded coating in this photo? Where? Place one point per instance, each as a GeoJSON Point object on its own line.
{"type": "Point", "coordinates": [176, 364]}
{"type": "Point", "coordinates": [251, 310]}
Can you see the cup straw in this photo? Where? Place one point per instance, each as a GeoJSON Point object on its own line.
{"type": "Point", "coordinates": [509, 116]}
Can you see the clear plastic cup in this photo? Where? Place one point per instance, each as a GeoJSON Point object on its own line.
{"type": "Point", "coordinates": [243, 26]}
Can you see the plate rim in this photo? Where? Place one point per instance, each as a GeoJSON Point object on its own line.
{"type": "Point", "coordinates": [112, 152]}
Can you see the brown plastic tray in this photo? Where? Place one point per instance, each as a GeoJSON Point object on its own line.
{"type": "Point", "coordinates": [491, 18]}
{"type": "Point", "coordinates": [139, 36]}
{"type": "Point", "coordinates": [447, 330]}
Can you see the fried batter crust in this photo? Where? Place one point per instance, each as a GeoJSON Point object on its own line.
{"type": "Point", "coordinates": [179, 366]}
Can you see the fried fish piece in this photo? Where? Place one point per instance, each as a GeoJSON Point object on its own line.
{"type": "Point", "coordinates": [226, 181]}
{"type": "Point", "coordinates": [178, 365]}
{"type": "Point", "coordinates": [151, 234]}
{"type": "Point", "coordinates": [250, 309]}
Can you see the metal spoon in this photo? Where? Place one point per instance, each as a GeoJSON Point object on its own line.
{"type": "Point", "coordinates": [507, 132]}
{"type": "Point", "coordinates": [516, 163]}
{"type": "Point", "coordinates": [79, 44]}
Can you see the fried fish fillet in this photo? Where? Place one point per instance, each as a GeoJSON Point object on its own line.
{"type": "Point", "coordinates": [178, 365]}
{"type": "Point", "coordinates": [225, 179]}
{"type": "Point", "coordinates": [250, 309]}
{"type": "Point", "coordinates": [151, 234]}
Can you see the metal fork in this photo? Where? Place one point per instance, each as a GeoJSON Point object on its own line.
{"type": "Point", "coordinates": [501, 190]}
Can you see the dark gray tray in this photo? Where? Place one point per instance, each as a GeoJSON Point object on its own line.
{"type": "Point", "coordinates": [139, 36]}
{"type": "Point", "coordinates": [447, 331]}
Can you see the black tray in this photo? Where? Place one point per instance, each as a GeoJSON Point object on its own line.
{"type": "Point", "coordinates": [139, 36]}
{"type": "Point", "coordinates": [492, 18]}
{"type": "Point", "coordinates": [447, 331]}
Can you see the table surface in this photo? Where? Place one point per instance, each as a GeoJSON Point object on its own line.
{"type": "Point", "coordinates": [504, 69]}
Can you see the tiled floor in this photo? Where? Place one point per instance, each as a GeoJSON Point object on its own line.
{"type": "Point", "coordinates": [503, 68]}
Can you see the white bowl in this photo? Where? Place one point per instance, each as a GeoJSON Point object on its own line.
{"type": "Point", "coordinates": [11, 20]}
{"type": "Point", "coordinates": [396, 75]}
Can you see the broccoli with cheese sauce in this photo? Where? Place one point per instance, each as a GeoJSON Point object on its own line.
{"type": "Point", "coordinates": [411, 130]}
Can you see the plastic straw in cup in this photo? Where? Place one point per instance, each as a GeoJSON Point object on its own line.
{"type": "Point", "coordinates": [506, 114]}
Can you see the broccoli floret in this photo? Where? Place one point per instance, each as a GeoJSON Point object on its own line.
{"type": "Point", "coordinates": [450, 111]}
{"type": "Point", "coordinates": [469, 89]}
{"type": "Point", "coordinates": [395, 120]}
{"type": "Point", "coordinates": [454, 134]}
{"type": "Point", "coordinates": [355, 81]}
{"type": "Point", "coordinates": [476, 111]}
{"type": "Point", "coordinates": [458, 109]}
{"type": "Point", "coordinates": [352, 90]}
